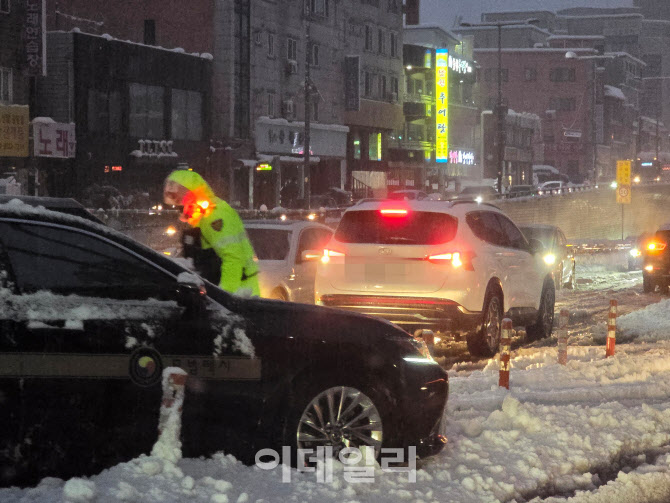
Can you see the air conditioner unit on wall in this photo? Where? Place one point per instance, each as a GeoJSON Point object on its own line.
{"type": "Point", "coordinates": [291, 67]}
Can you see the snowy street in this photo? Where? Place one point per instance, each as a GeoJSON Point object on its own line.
{"type": "Point", "coordinates": [595, 430]}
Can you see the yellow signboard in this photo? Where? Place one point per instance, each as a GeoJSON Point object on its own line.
{"type": "Point", "coordinates": [442, 105]}
{"type": "Point", "coordinates": [14, 123]}
{"type": "Point", "coordinates": [623, 193]}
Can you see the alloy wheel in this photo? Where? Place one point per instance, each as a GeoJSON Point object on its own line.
{"type": "Point", "coordinates": [492, 324]}
{"type": "Point", "coordinates": [341, 417]}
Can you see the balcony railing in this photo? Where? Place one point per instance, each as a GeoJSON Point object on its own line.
{"type": "Point", "coordinates": [417, 98]}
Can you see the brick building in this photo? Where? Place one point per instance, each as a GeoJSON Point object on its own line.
{"type": "Point", "coordinates": [259, 53]}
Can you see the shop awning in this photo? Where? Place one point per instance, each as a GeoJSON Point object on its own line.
{"type": "Point", "coordinates": [289, 159]}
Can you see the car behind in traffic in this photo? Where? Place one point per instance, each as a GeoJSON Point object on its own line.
{"type": "Point", "coordinates": [455, 267]}
{"type": "Point", "coordinates": [557, 255]}
{"type": "Point", "coordinates": [656, 262]}
{"type": "Point", "coordinates": [89, 319]}
{"type": "Point", "coordinates": [287, 253]}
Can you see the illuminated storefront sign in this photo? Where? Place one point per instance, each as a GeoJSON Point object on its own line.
{"type": "Point", "coordinates": [427, 59]}
{"type": "Point", "coordinates": [461, 157]}
{"type": "Point", "coordinates": [264, 167]}
{"type": "Point", "coordinates": [459, 65]}
{"type": "Point", "coordinates": [442, 106]}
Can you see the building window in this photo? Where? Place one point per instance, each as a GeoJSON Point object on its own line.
{"type": "Point", "coordinates": [380, 42]}
{"type": "Point", "coordinates": [491, 74]}
{"type": "Point", "coordinates": [6, 86]}
{"type": "Point", "coordinates": [146, 111]}
{"type": "Point", "coordinates": [394, 45]}
{"type": "Point", "coordinates": [186, 115]}
{"type": "Point", "coordinates": [292, 49]}
{"type": "Point", "coordinates": [315, 110]}
{"type": "Point", "coordinates": [367, 82]}
{"type": "Point", "coordinates": [104, 111]}
{"type": "Point", "coordinates": [149, 32]}
{"type": "Point", "coordinates": [271, 45]}
{"type": "Point", "coordinates": [530, 74]}
{"type": "Point", "coordinates": [562, 104]}
{"type": "Point", "coordinates": [394, 87]}
{"type": "Point", "coordinates": [562, 75]}
{"type": "Point", "coordinates": [319, 7]}
{"type": "Point", "coordinates": [4, 6]}
{"type": "Point", "coordinates": [271, 104]}
{"type": "Point", "coordinates": [368, 38]}
{"type": "Point", "coordinates": [314, 60]}
{"type": "Point", "coordinates": [382, 86]}
{"type": "Point", "coordinates": [357, 146]}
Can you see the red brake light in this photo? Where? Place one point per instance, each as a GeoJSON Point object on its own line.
{"type": "Point", "coordinates": [325, 258]}
{"type": "Point", "coordinates": [394, 212]}
{"type": "Point", "coordinates": [457, 259]}
{"type": "Point", "coordinates": [656, 246]}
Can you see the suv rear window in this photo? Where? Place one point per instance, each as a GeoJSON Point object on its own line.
{"type": "Point", "coordinates": [417, 228]}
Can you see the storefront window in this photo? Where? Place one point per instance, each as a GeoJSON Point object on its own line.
{"type": "Point", "coordinates": [146, 111]}
{"type": "Point", "coordinates": [186, 115]}
{"type": "Point", "coordinates": [375, 147]}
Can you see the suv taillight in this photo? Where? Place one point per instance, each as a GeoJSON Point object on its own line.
{"type": "Point", "coordinates": [457, 259]}
{"type": "Point", "coordinates": [327, 254]}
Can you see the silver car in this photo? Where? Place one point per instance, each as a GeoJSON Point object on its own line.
{"type": "Point", "coordinates": [287, 254]}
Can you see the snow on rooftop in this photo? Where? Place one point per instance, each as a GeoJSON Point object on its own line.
{"type": "Point", "coordinates": [110, 38]}
{"type": "Point", "coordinates": [614, 92]}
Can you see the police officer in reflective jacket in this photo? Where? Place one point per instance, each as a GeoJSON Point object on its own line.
{"type": "Point", "coordinates": [225, 255]}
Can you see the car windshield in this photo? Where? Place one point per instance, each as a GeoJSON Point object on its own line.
{"type": "Point", "coordinates": [544, 235]}
{"type": "Point", "coordinates": [478, 190]}
{"type": "Point", "coordinates": [416, 228]}
{"type": "Point", "coordinates": [270, 244]}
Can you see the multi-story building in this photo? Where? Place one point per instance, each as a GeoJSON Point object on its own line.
{"type": "Point", "coordinates": [14, 90]}
{"type": "Point", "coordinates": [138, 112]}
{"type": "Point", "coordinates": [558, 90]}
{"type": "Point", "coordinates": [415, 153]}
{"type": "Point", "coordinates": [260, 52]}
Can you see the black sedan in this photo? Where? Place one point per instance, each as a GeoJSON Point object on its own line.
{"type": "Point", "coordinates": [89, 318]}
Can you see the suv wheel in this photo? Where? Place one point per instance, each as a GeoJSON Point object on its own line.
{"type": "Point", "coordinates": [545, 315]}
{"type": "Point", "coordinates": [486, 341]}
{"type": "Point", "coordinates": [647, 284]}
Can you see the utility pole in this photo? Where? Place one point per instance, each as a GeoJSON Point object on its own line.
{"type": "Point", "coordinates": [594, 123]}
{"type": "Point", "coordinates": [305, 171]}
{"type": "Point", "coordinates": [500, 115]}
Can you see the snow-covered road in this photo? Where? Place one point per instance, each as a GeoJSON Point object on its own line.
{"type": "Point", "coordinates": [595, 430]}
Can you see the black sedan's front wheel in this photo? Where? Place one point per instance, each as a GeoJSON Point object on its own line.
{"type": "Point", "coordinates": [340, 416]}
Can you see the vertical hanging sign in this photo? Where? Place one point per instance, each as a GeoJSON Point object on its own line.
{"type": "Point", "coordinates": [441, 105]}
{"type": "Point", "coordinates": [34, 38]}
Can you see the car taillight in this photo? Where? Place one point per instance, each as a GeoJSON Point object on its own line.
{"type": "Point", "coordinates": [394, 212]}
{"type": "Point", "coordinates": [656, 246]}
{"type": "Point", "coordinates": [325, 258]}
{"type": "Point", "coordinates": [457, 259]}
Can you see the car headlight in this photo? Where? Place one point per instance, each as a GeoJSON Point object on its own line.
{"type": "Point", "coordinates": [635, 252]}
{"type": "Point", "coordinates": [550, 259]}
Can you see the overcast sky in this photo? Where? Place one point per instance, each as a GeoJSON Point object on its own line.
{"type": "Point", "coordinates": [444, 12]}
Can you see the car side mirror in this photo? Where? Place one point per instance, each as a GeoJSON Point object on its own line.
{"type": "Point", "coordinates": [191, 296]}
{"type": "Point", "coordinates": [536, 246]}
{"type": "Point", "coordinates": [310, 255]}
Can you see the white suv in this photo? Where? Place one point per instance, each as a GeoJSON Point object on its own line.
{"type": "Point", "coordinates": [455, 267]}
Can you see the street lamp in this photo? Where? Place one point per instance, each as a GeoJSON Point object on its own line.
{"type": "Point", "coordinates": [500, 112]}
{"type": "Point", "coordinates": [594, 140]}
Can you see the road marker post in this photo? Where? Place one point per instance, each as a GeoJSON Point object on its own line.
{"type": "Point", "coordinates": [611, 329]}
{"type": "Point", "coordinates": [563, 337]}
{"type": "Point", "coordinates": [505, 342]}
{"type": "Point", "coordinates": [168, 445]}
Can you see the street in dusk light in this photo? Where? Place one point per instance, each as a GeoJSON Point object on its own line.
{"type": "Point", "coordinates": [334, 250]}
